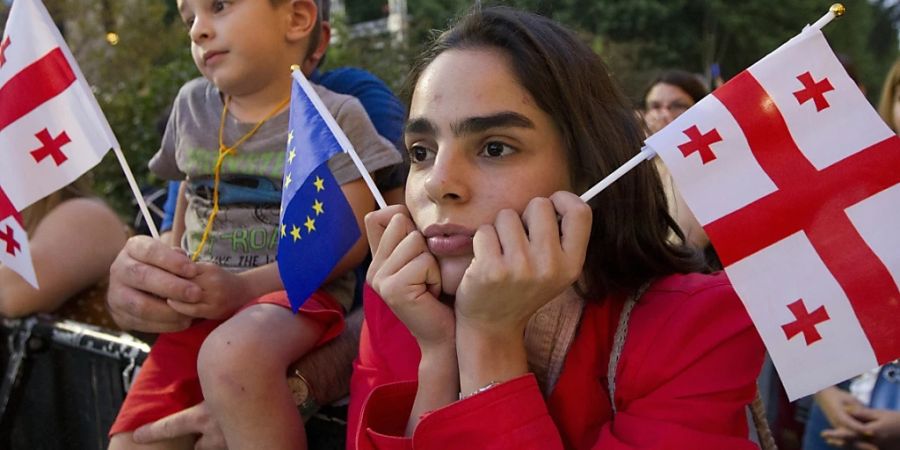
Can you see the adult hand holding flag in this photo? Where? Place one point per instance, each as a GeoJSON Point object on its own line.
{"type": "Point", "coordinates": [796, 180]}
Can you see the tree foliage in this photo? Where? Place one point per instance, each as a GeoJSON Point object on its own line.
{"type": "Point", "coordinates": [136, 80]}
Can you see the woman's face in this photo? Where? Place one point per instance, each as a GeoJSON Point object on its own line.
{"type": "Point", "coordinates": [478, 144]}
{"type": "Point", "coordinates": [664, 103]}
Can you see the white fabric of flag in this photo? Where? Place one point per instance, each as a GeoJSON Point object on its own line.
{"type": "Point", "coordinates": [14, 250]}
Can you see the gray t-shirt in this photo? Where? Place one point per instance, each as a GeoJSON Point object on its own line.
{"type": "Point", "coordinates": [245, 232]}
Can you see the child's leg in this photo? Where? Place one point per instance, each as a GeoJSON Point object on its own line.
{"type": "Point", "coordinates": [243, 366]}
{"type": "Point", "coordinates": [166, 384]}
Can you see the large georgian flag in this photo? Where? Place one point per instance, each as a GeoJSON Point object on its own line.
{"type": "Point", "coordinates": [796, 180]}
{"type": "Point", "coordinates": [14, 251]}
{"type": "Point", "coordinates": [51, 128]}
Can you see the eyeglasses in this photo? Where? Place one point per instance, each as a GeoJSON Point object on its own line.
{"type": "Point", "coordinates": [674, 108]}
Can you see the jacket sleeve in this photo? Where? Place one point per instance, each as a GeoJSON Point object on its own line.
{"type": "Point", "coordinates": [382, 388]}
{"type": "Point", "coordinates": [687, 373]}
{"type": "Point", "coordinates": [511, 415]}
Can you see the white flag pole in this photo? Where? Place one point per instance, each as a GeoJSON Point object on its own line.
{"type": "Point", "coordinates": [137, 192]}
{"type": "Point", "coordinates": [338, 134]}
{"type": "Point", "coordinates": [836, 10]}
{"type": "Point", "coordinates": [647, 153]}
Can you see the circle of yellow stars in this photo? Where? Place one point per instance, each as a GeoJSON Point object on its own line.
{"type": "Point", "coordinates": [317, 206]}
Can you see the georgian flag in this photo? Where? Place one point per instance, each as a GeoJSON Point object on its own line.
{"type": "Point", "coordinates": [796, 180]}
{"type": "Point", "coordinates": [51, 129]}
{"type": "Point", "coordinates": [14, 251]}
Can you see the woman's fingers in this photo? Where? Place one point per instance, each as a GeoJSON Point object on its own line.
{"type": "Point", "coordinates": [390, 230]}
{"type": "Point", "coordinates": [402, 254]}
{"type": "Point", "coordinates": [575, 224]}
{"type": "Point", "coordinates": [377, 222]}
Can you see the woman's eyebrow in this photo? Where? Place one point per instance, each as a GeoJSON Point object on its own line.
{"type": "Point", "coordinates": [479, 124]}
{"type": "Point", "coordinates": [420, 125]}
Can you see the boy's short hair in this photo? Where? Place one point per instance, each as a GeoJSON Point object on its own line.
{"type": "Point", "coordinates": [323, 9]}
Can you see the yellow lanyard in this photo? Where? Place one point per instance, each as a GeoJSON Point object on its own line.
{"type": "Point", "coordinates": [223, 152]}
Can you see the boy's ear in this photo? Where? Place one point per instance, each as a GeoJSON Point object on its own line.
{"type": "Point", "coordinates": [302, 20]}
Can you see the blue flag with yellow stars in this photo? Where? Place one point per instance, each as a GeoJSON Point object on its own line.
{"type": "Point", "coordinates": [317, 224]}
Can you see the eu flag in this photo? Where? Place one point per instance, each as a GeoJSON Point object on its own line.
{"type": "Point", "coordinates": [317, 224]}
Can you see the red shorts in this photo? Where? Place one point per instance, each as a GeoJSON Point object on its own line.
{"type": "Point", "coordinates": [168, 382]}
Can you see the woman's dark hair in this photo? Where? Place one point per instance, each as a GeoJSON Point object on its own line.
{"type": "Point", "coordinates": [686, 81]}
{"type": "Point", "coordinates": [629, 240]}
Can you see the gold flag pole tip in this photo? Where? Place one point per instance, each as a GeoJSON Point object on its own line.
{"type": "Point", "coordinates": [838, 9]}
{"type": "Point", "coordinates": [297, 66]}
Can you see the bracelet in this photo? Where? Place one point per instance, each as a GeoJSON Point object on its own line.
{"type": "Point", "coordinates": [479, 390]}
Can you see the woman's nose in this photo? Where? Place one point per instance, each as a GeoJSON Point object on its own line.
{"type": "Point", "coordinates": [448, 178]}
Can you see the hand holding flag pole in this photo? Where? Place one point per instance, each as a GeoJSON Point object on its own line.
{"type": "Point", "coordinates": [647, 153]}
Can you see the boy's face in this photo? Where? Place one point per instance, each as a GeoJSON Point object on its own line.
{"type": "Point", "coordinates": [239, 45]}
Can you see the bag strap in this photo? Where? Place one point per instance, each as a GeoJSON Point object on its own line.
{"type": "Point", "coordinates": [763, 432]}
{"type": "Point", "coordinates": [619, 343]}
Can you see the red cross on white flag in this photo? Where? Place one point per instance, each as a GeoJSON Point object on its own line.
{"type": "Point", "coordinates": [51, 129]}
{"type": "Point", "coordinates": [800, 196]}
{"type": "Point", "coordinates": [14, 252]}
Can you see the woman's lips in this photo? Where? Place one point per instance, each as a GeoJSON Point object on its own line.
{"type": "Point", "coordinates": [452, 245]}
{"type": "Point", "coordinates": [449, 240]}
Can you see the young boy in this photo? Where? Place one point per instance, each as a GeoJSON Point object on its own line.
{"type": "Point", "coordinates": [244, 49]}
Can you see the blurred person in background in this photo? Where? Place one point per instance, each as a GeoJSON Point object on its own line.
{"type": "Point", "coordinates": [74, 237]}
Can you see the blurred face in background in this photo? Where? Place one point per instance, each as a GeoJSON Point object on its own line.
{"type": "Point", "coordinates": [895, 111]}
{"type": "Point", "coordinates": [664, 103]}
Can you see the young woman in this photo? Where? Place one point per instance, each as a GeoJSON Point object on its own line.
{"type": "Point", "coordinates": [497, 294]}
{"type": "Point", "coordinates": [667, 97]}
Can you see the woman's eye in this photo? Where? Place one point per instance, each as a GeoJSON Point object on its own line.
{"type": "Point", "coordinates": [218, 6]}
{"type": "Point", "coordinates": [497, 150]}
{"type": "Point", "coordinates": [418, 154]}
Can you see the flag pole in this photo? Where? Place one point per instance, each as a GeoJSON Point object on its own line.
{"type": "Point", "coordinates": [647, 153]}
{"type": "Point", "coordinates": [137, 192]}
{"type": "Point", "coordinates": [836, 10]}
{"type": "Point", "coordinates": [341, 138]}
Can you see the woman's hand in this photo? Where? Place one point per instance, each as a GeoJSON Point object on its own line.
{"type": "Point", "coordinates": [406, 275]}
{"type": "Point", "coordinates": [882, 427]}
{"type": "Point", "coordinates": [837, 404]}
{"type": "Point", "coordinates": [522, 263]}
{"type": "Point", "coordinates": [519, 266]}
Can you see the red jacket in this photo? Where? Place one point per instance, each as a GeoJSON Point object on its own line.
{"type": "Point", "coordinates": [686, 373]}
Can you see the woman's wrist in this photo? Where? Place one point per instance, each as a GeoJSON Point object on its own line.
{"type": "Point", "coordinates": [438, 382]}
{"type": "Point", "coordinates": [439, 371]}
{"type": "Point", "coordinates": [488, 357]}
